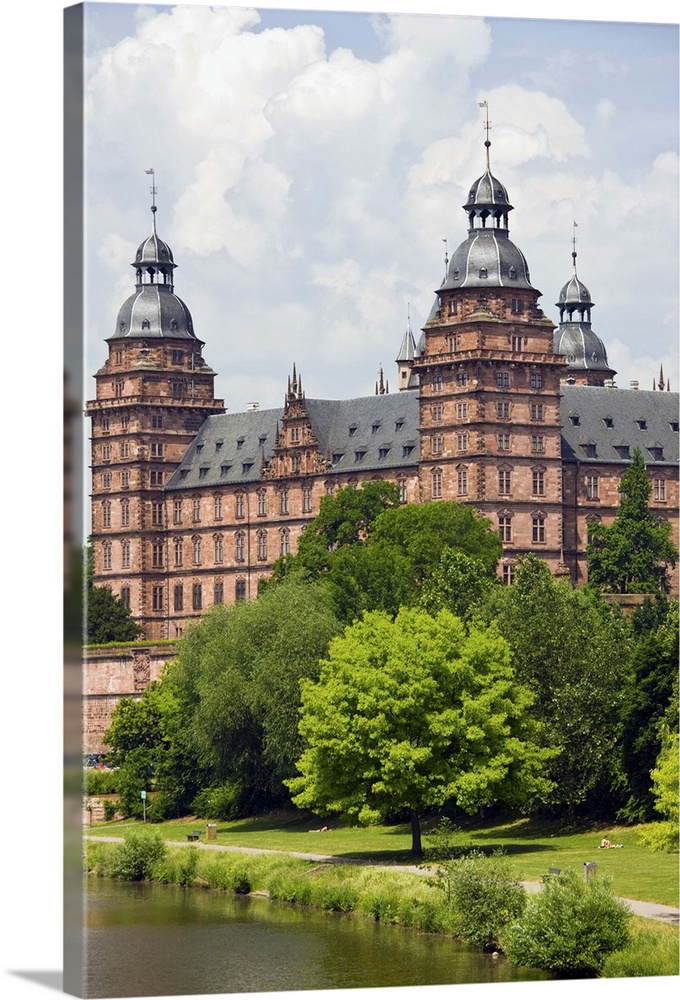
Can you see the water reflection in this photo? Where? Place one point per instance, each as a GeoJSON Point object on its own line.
{"type": "Point", "coordinates": [147, 939]}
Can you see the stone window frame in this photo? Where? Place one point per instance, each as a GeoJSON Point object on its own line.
{"type": "Point", "coordinates": [218, 539]}
{"type": "Point", "coordinates": [125, 553]}
{"type": "Point", "coordinates": [538, 524]}
{"type": "Point", "coordinates": [436, 483]}
{"type": "Point", "coordinates": [462, 480]}
{"type": "Point", "coordinates": [505, 525]}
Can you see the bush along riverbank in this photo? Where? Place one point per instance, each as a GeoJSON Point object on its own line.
{"type": "Point", "coordinates": [571, 928]}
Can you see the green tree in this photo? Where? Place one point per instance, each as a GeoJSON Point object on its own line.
{"type": "Point", "coordinates": [108, 619]}
{"type": "Point", "coordinates": [663, 836]}
{"type": "Point", "coordinates": [646, 701]}
{"type": "Point", "coordinates": [237, 677]}
{"type": "Point", "coordinates": [632, 555]}
{"type": "Point", "coordinates": [485, 894]}
{"type": "Point", "coordinates": [562, 640]}
{"type": "Point", "coordinates": [411, 713]}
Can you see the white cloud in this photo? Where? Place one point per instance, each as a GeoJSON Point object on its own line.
{"type": "Point", "coordinates": [605, 110]}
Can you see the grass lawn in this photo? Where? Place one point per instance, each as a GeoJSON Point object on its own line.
{"type": "Point", "coordinates": [637, 872]}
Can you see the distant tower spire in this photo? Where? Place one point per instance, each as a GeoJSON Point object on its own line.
{"type": "Point", "coordinates": [154, 191]}
{"type": "Point", "coordinates": [661, 380]}
{"type": "Point", "coordinates": [573, 244]}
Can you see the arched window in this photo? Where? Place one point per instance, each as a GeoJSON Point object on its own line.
{"type": "Point", "coordinates": [125, 553]}
{"type": "Point", "coordinates": [262, 546]}
{"type": "Point", "coordinates": [285, 541]}
{"type": "Point", "coordinates": [197, 545]}
{"type": "Point", "coordinates": [178, 549]}
{"type": "Point", "coordinates": [240, 540]}
{"type": "Point", "coordinates": [219, 548]}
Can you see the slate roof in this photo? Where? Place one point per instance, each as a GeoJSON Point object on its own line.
{"type": "Point", "coordinates": [356, 435]}
{"type": "Point", "coordinates": [607, 420]}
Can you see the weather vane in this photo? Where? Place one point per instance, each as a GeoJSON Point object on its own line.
{"type": "Point", "coordinates": [573, 244]}
{"type": "Point", "coordinates": [153, 190]}
{"type": "Point", "coordinates": [487, 126]}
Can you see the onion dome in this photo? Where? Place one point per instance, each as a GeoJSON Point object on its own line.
{"type": "Point", "coordinates": [487, 258]}
{"type": "Point", "coordinates": [574, 338]}
{"type": "Point", "coordinates": [154, 310]}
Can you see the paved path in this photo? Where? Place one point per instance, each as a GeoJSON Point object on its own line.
{"type": "Point", "coordinates": [655, 911]}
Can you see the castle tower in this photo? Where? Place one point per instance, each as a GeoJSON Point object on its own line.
{"type": "Point", "coordinates": [152, 394]}
{"type": "Point", "coordinates": [575, 339]}
{"type": "Point", "coordinates": [407, 352]}
{"type": "Point", "coordinates": [490, 387]}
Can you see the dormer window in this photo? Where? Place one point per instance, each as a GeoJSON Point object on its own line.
{"type": "Point", "coordinates": [359, 456]}
{"type": "Point", "coordinates": [146, 325]}
{"type": "Point", "coordinates": [224, 469]}
{"type": "Point", "coordinates": [642, 424]}
{"type": "Point", "coordinates": [352, 430]}
{"type": "Point", "coordinates": [203, 471]}
{"type": "Point", "coordinates": [375, 428]}
{"type": "Point", "coordinates": [383, 452]}
{"type": "Point", "coordinates": [574, 419]}
{"type": "Point", "coordinates": [336, 457]}
{"type": "Point", "coordinates": [608, 421]}
{"type": "Point", "coordinates": [674, 425]}
{"type": "Point", "coordinates": [399, 425]}
{"type": "Point", "coordinates": [240, 443]}
{"type": "Point", "coordinates": [218, 445]}
{"type": "Point", "coordinates": [483, 272]}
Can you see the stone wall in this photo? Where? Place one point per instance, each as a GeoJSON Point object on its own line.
{"type": "Point", "coordinates": [111, 674]}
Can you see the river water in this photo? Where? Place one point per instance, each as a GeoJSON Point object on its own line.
{"type": "Point", "coordinates": [144, 940]}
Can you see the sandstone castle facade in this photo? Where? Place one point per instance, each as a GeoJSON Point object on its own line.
{"type": "Point", "coordinates": [496, 406]}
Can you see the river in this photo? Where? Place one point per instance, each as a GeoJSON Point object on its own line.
{"type": "Point", "coordinates": [145, 939]}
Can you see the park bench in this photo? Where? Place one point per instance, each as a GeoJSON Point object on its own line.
{"type": "Point", "coordinates": [552, 873]}
{"type": "Point", "coordinates": [194, 835]}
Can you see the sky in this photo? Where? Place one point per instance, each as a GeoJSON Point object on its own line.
{"type": "Point", "coordinates": [371, 182]}
{"type": "Point", "coordinates": [311, 165]}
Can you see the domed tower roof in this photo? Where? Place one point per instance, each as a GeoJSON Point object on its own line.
{"type": "Point", "coordinates": [154, 310]}
{"type": "Point", "coordinates": [487, 258]}
{"type": "Point", "coordinates": [574, 338]}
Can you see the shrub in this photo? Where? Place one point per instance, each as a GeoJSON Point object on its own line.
{"type": "Point", "coordinates": [569, 927]}
{"type": "Point", "coordinates": [218, 801]}
{"type": "Point", "coordinates": [135, 858]}
{"type": "Point", "coordinates": [101, 782]}
{"type": "Point", "coordinates": [110, 808]}
{"type": "Point", "coordinates": [647, 954]}
{"type": "Point", "coordinates": [484, 894]}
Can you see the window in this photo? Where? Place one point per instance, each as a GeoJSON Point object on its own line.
{"type": "Point", "coordinates": [106, 555]}
{"type": "Point", "coordinates": [157, 512]}
{"type": "Point", "coordinates": [436, 484]}
{"type": "Point", "coordinates": [642, 424]}
{"type": "Point", "coordinates": [538, 483]}
{"type": "Point", "coordinates": [125, 479]}
{"type": "Point", "coordinates": [505, 527]}
{"type": "Point", "coordinates": [197, 547]}
{"type": "Point", "coordinates": [218, 592]}
{"type": "Point", "coordinates": [240, 592]}
{"type": "Point", "coordinates": [452, 343]}
{"type": "Point", "coordinates": [106, 480]}
{"type": "Point", "coordinates": [285, 541]}
{"type": "Point", "coordinates": [537, 444]}
{"type": "Point", "coordinates": [462, 482]}
{"type": "Point", "coordinates": [574, 419]}
{"type": "Point", "coordinates": [125, 554]}
{"type": "Point", "coordinates": [125, 596]}
{"type": "Point", "coordinates": [106, 514]}
{"type": "Point", "coordinates": [660, 490]}
{"type": "Point", "coordinates": [330, 489]}
{"type": "Point", "coordinates": [125, 513]}
{"type": "Point", "coordinates": [403, 496]}
{"type": "Point", "coordinates": [504, 481]}
{"type": "Point", "coordinates": [156, 478]}
{"type": "Point", "coordinates": [197, 596]}
{"type": "Point", "coordinates": [622, 450]}
{"type": "Point", "coordinates": [590, 450]}
{"type": "Point", "coordinates": [118, 388]}
{"type": "Point", "coordinates": [508, 574]}
{"type": "Point", "coordinates": [437, 444]}
{"type": "Point", "coordinates": [352, 430]}
{"type": "Point", "coordinates": [157, 554]}
{"type": "Point", "coordinates": [406, 450]}
{"type": "Point", "coordinates": [502, 380]}
{"type": "Point", "coordinates": [217, 508]}
{"type": "Point", "coordinates": [177, 511]}
{"type": "Point", "coordinates": [383, 452]}
{"type": "Point", "coordinates": [462, 411]}
{"type": "Point", "coordinates": [536, 381]}
{"type": "Point", "coordinates": [178, 597]}
{"type": "Point", "coordinates": [503, 409]}
{"type": "Point", "coordinates": [608, 422]}
{"type": "Point", "coordinates": [515, 343]}
{"type": "Point", "coordinates": [306, 499]}
{"type": "Point", "coordinates": [437, 383]}
{"type": "Point", "coordinates": [177, 357]}
{"type": "Point", "coordinates": [283, 500]}
{"type": "Point", "coordinates": [261, 503]}
{"type": "Point", "coordinates": [178, 549]}
{"type": "Point", "coordinates": [157, 597]}
{"type": "Point", "coordinates": [239, 505]}
{"type": "Point", "coordinates": [125, 450]}
{"type": "Point", "coordinates": [240, 540]}
{"type": "Point", "coordinates": [516, 307]}
{"type": "Point", "coordinates": [219, 548]}
{"type": "Point", "coordinates": [504, 442]}
{"type": "Point", "coordinates": [592, 487]}
{"type": "Point", "coordinates": [295, 465]}
{"type": "Point", "coordinates": [538, 528]}
{"type": "Point", "coordinates": [177, 389]}
{"type": "Point", "coordinates": [106, 423]}
{"type": "Point", "coordinates": [124, 422]}
{"type": "Point", "coordinates": [156, 449]}
{"type": "Point", "coordinates": [461, 378]}
{"type": "Point", "coordinates": [537, 411]}
{"type": "Point", "coordinates": [437, 411]}
{"type": "Point", "coordinates": [106, 453]}
{"type": "Point", "coordinates": [196, 506]}
{"type": "Point", "coordinates": [295, 434]}
{"type": "Point", "coordinates": [262, 546]}
{"type": "Point", "coordinates": [157, 421]}
{"type": "Point", "coordinates": [224, 469]}
{"type": "Point", "coordinates": [462, 441]}
{"type": "Point", "coordinates": [398, 425]}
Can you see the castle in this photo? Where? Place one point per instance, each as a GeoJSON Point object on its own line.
{"type": "Point", "coordinates": [496, 406]}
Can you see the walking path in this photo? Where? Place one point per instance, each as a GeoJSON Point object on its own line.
{"type": "Point", "coordinates": [654, 911]}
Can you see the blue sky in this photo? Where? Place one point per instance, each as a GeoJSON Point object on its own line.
{"type": "Point", "coordinates": [310, 164]}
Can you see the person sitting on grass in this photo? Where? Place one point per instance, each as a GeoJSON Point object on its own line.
{"type": "Point", "coordinates": [606, 843]}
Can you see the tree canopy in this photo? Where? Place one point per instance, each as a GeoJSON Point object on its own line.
{"type": "Point", "coordinates": [412, 713]}
{"type": "Point", "coordinates": [108, 619]}
{"type": "Point", "coordinates": [634, 553]}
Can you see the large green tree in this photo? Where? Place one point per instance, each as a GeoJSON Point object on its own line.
{"type": "Point", "coordinates": [573, 651]}
{"type": "Point", "coordinates": [108, 619]}
{"type": "Point", "coordinates": [413, 712]}
{"type": "Point", "coordinates": [635, 553]}
{"type": "Point", "coordinates": [237, 677]}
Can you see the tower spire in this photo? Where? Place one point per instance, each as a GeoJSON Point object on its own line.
{"type": "Point", "coordinates": [573, 245]}
{"type": "Point", "coordinates": [487, 126]}
{"type": "Point", "coordinates": [153, 190]}
{"type": "Point", "coordinates": [661, 379]}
